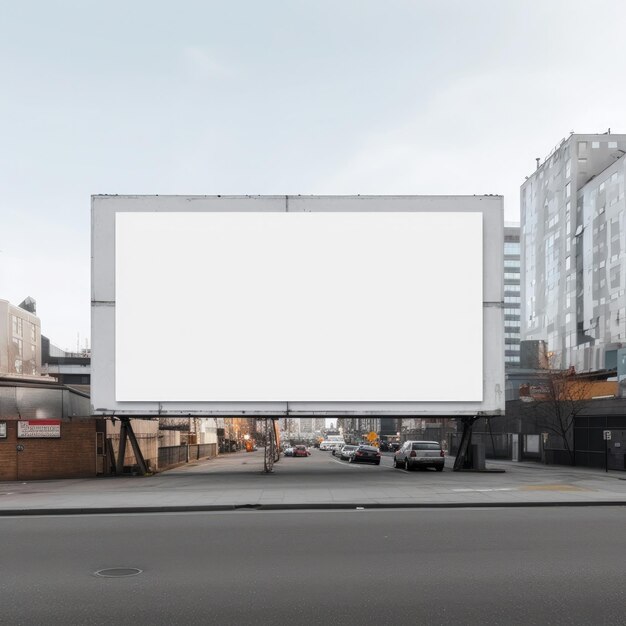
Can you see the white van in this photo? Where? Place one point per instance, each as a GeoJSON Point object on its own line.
{"type": "Point", "coordinates": [331, 444]}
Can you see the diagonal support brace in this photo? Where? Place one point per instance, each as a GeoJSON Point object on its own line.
{"type": "Point", "coordinates": [464, 457]}
{"type": "Point", "coordinates": [126, 432]}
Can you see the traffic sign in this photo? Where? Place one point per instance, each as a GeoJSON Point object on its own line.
{"type": "Point", "coordinates": [607, 435]}
{"type": "Point", "coordinates": [372, 436]}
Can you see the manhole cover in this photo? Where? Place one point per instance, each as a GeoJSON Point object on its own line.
{"type": "Point", "coordinates": [118, 572]}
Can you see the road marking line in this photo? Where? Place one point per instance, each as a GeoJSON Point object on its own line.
{"type": "Point", "coordinates": [346, 463]}
{"type": "Point", "coordinates": [490, 489]}
{"type": "Point", "coordinates": [553, 488]}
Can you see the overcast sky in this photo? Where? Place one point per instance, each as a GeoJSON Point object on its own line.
{"type": "Point", "coordinates": [310, 97]}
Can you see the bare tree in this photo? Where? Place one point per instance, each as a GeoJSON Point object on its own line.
{"type": "Point", "coordinates": [557, 400]}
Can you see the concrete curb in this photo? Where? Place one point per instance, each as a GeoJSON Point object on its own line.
{"type": "Point", "coordinates": [331, 506]}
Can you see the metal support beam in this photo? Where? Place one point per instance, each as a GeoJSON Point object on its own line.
{"type": "Point", "coordinates": [126, 432]}
{"type": "Point", "coordinates": [275, 425]}
{"type": "Point", "coordinates": [143, 468]}
{"type": "Point", "coordinates": [464, 455]}
{"type": "Point", "coordinates": [270, 445]}
{"type": "Point", "coordinates": [121, 452]}
{"type": "Point", "coordinates": [111, 455]}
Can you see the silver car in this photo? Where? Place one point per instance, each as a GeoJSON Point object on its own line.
{"type": "Point", "coordinates": [347, 452]}
{"type": "Point", "coordinates": [414, 454]}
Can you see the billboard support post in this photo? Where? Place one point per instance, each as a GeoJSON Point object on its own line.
{"type": "Point", "coordinates": [121, 452]}
{"type": "Point", "coordinates": [269, 456]}
{"type": "Point", "coordinates": [464, 455]}
{"type": "Point", "coordinates": [126, 431]}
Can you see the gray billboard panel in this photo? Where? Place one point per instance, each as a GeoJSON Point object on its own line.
{"type": "Point", "coordinates": [160, 386]}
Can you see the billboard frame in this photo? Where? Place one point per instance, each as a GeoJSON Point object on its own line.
{"type": "Point", "coordinates": [105, 207]}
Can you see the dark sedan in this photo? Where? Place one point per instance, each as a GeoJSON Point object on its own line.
{"type": "Point", "coordinates": [366, 454]}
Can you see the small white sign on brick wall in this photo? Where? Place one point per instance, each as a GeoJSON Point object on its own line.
{"type": "Point", "coordinates": [39, 429]}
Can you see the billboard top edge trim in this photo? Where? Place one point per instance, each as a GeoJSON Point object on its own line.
{"type": "Point", "coordinates": [295, 197]}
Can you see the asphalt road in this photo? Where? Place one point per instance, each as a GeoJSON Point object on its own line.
{"type": "Point", "coordinates": [465, 566]}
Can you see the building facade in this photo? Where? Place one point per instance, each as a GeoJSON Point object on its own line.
{"type": "Point", "coordinates": [573, 259]}
{"type": "Point", "coordinates": [20, 341]}
{"type": "Point", "coordinates": [69, 368]}
{"type": "Point", "coordinates": [354, 429]}
{"type": "Point", "coordinates": [512, 298]}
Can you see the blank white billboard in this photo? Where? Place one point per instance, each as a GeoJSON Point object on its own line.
{"type": "Point", "coordinates": [299, 306]}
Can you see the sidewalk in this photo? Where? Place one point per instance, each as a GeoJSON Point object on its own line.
{"type": "Point", "coordinates": [317, 482]}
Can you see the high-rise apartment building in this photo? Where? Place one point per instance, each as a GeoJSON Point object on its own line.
{"type": "Point", "coordinates": [573, 252]}
{"type": "Point", "coordinates": [355, 428]}
{"type": "Point", "coordinates": [306, 425]}
{"type": "Point", "coordinates": [512, 298]}
{"type": "Point", "coordinates": [319, 423]}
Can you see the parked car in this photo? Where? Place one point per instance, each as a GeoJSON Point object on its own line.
{"type": "Point", "coordinates": [347, 452]}
{"type": "Point", "coordinates": [420, 454]}
{"type": "Point", "coordinates": [336, 447]}
{"type": "Point", "coordinates": [288, 451]}
{"type": "Point", "coordinates": [366, 454]}
{"type": "Point", "coordinates": [301, 451]}
{"type": "Point", "coordinates": [394, 447]}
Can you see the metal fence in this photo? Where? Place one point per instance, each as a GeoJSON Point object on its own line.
{"type": "Point", "coordinates": [430, 433]}
{"type": "Point", "coordinates": [174, 455]}
{"type": "Point", "coordinates": [497, 446]}
{"type": "Point", "coordinates": [203, 451]}
{"type": "Point", "coordinates": [529, 447]}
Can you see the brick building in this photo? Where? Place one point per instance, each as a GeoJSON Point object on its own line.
{"type": "Point", "coordinates": [46, 432]}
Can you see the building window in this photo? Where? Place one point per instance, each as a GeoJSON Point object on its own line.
{"type": "Point", "coordinates": [33, 333]}
{"type": "Point", "coordinates": [595, 144]}
{"type": "Point", "coordinates": [582, 148]}
{"type": "Point", "coordinates": [568, 190]}
{"type": "Point", "coordinates": [612, 145]}
{"type": "Point", "coordinates": [18, 326]}
{"type": "Point", "coordinates": [19, 346]}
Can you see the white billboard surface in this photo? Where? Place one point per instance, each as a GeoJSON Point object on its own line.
{"type": "Point", "coordinates": [298, 306]}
